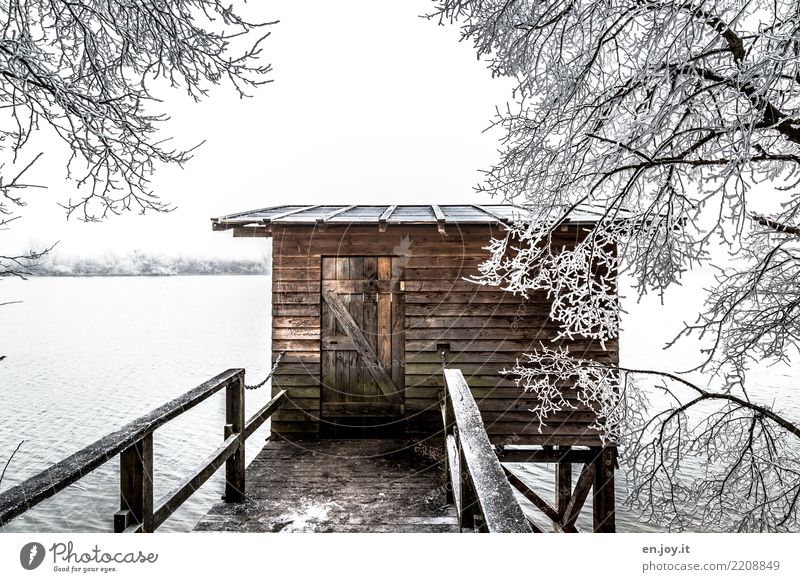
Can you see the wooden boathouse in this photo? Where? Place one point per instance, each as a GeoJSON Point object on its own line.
{"type": "Point", "coordinates": [388, 411]}
{"type": "Point", "coordinates": [366, 298]}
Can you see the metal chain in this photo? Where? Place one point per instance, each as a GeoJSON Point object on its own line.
{"type": "Point", "coordinates": [271, 372]}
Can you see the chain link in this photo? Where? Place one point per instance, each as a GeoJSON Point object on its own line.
{"type": "Point", "coordinates": [271, 372]}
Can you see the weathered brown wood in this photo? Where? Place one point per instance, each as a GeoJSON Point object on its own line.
{"type": "Point", "coordinates": [350, 409]}
{"type": "Point", "coordinates": [563, 481]}
{"type": "Point", "coordinates": [359, 285]}
{"type": "Point", "coordinates": [265, 412]}
{"type": "Point", "coordinates": [502, 435]}
{"type": "Point", "coordinates": [303, 310]}
{"type": "Point", "coordinates": [365, 352]}
{"type": "Point", "coordinates": [578, 497]}
{"type": "Point", "coordinates": [385, 215]}
{"type": "Point", "coordinates": [18, 499]}
{"type": "Point", "coordinates": [251, 232]}
{"type": "Point", "coordinates": [481, 326]}
{"type": "Point", "coordinates": [498, 505]}
{"type": "Point", "coordinates": [170, 502]}
{"type": "Point", "coordinates": [136, 484]}
{"type": "Point", "coordinates": [491, 213]}
{"type": "Point", "coordinates": [330, 215]}
{"type": "Point", "coordinates": [368, 485]}
{"type": "Point", "coordinates": [289, 213]}
{"type": "Point", "coordinates": [234, 418]}
{"type": "Point", "coordinates": [440, 219]}
{"type": "Point", "coordinates": [469, 501]}
{"type": "Point", "coordinates": [603, 505]}
{"type": "Point", "coordinates": [398, 335]}
{"type": "Point", "coordinates": [467, 345]}
{"type": "Point", "coordinates": [454, 473]}
{"type": "Point", "coordinates": [384, 315]}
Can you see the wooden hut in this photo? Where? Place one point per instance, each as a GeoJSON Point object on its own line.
{"type": "Point", "coordinates": [366, 298]}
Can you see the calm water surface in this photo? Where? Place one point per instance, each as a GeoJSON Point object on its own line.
{"type": "Point", "coordinates": [87, 355]}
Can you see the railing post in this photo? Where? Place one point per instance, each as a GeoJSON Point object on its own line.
{"type": "Point", "coordinates": [234, 419]}
{"type": "Point", "coordinates": [136, 486]}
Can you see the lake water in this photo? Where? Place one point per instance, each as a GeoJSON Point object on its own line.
{"type": "Point", "coordinates": [87, 355]}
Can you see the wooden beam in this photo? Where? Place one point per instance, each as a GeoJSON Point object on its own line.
{"type": "Point", "coordinates": [266, 411]}
{"type": "Point", "coordinates": [252, 231]}
{"type": "Point", "coordinates": [327, 217]}
{"type": "Point", "coordinates": [136, 485]}
{"type": "Point", "coordinates": [563, 485]}
{"type": "Point", "coordinates": [384, 217]}
{"type": "Point", "coordinates": [603, 505]}
{"type": "Point", "coordinates": [362, 347]}
{"type": "Point", "coordinates": [454, 471]}
{"type": "Point", "coordinates": [547, 456]}
{"type": "Point", "coordinates": [272, 219]}
{"type": "Point", "coordinates": [531, 495]}
{"type": "Point", "coordinates": [440, 219]}
{"type": "Point", "coordinates": [578, 497]}
{"type": "Point", "coordinates": [492, 213]}
{"type": "Point", "coordinates": [171, 501]}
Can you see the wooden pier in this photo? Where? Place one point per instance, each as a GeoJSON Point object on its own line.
{"type": "Point", "coordinates": [454, 482]}
{"type": "Point", "coordinates": [339, 486]}
{"type": "Point", "coordinates": [376, 336]}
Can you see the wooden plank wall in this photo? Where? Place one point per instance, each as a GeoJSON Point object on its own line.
{"type": "Point", "coordinates": [483, 328]}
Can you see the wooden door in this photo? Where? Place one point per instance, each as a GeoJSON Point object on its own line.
{"type": "Point", "coordinates": [362, 339]}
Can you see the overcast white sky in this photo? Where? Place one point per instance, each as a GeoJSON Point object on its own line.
{"type": "Point", "coordinates": [370, 104]}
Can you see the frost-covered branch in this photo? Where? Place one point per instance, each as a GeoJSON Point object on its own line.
{"type": "Point", "coordinates": [744, 456]}
{"type": "Point", "coordinates": [562, 383]}
{"type": "Point", "coordinates": [87, 71]}
{"type": "Point", "coordinates": [660, 116]}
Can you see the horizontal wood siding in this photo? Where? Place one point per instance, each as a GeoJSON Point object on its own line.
{"type": "Point", "coordinates": [483, 328]}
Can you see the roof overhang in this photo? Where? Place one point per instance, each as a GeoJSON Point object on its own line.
{"type": "Point", "coordinates": [260, 222]}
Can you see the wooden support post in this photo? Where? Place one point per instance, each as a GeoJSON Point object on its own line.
{"type": "Point", "coordinates": [578, 497]}
{"type": "Point", "coordinates": [234, 418]}
{"type": "Point", "coordinates": [603, 503]}
{"type": "Point", "coordinates": [469, 501]}
{"type": "Point", "coordinates": [563, 483]}
{"type": "Point", "coordinates": [136, 486]}
{"type": "Point", "coordinates": [448, 431]}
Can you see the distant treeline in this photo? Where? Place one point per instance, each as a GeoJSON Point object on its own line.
{"type": "Point", "coordinates": [139, 263]}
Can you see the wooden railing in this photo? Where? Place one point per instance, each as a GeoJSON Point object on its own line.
{"type": "Point", "coordinates": [479, 488]}
{"type": "Point", "coordinates": [134, 445]}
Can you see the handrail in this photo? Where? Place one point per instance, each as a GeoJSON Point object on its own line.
{"type": "Point", "coordinates": [479, 485]}
{"type": "Point", "coordinates": [134, 445]}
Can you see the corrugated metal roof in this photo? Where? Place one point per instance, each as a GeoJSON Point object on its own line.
{"type": "Point", "coordinates": [387, 214]}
